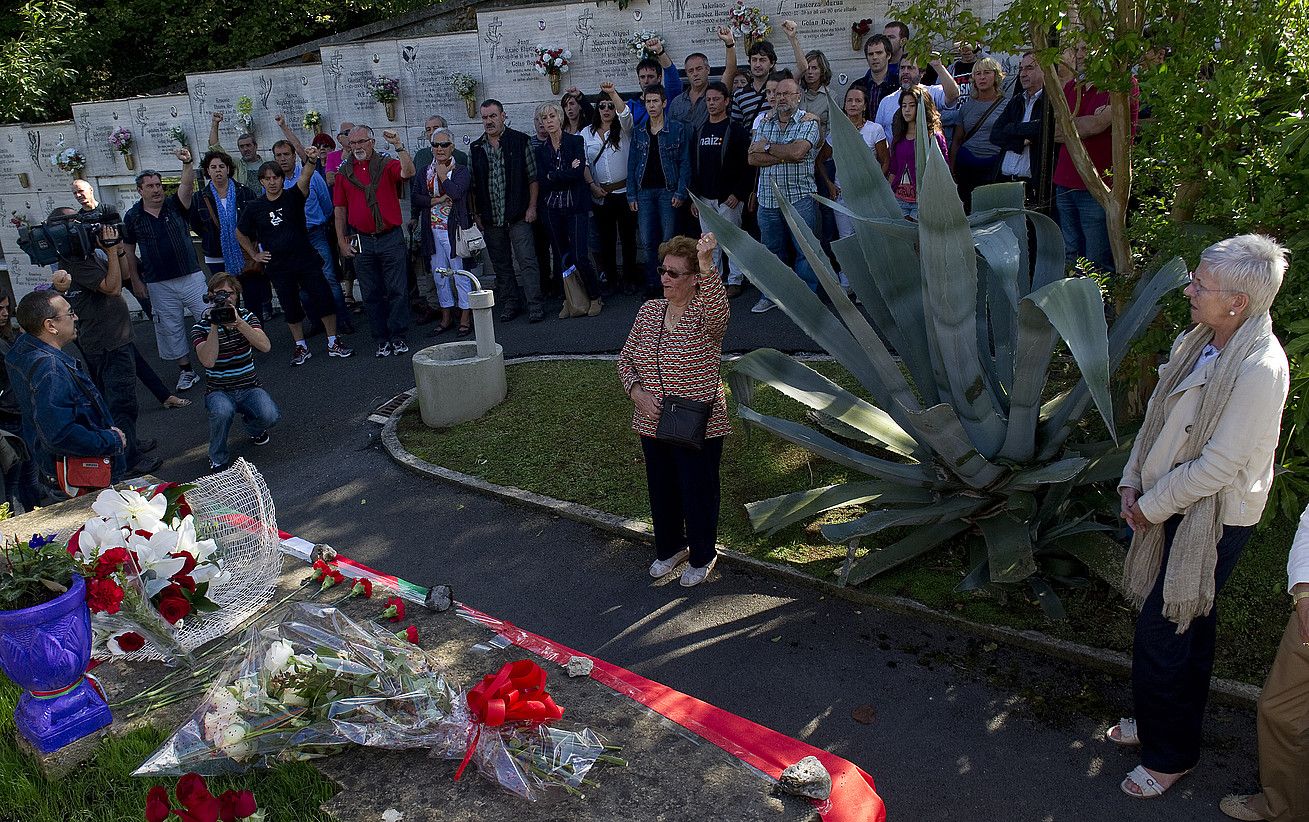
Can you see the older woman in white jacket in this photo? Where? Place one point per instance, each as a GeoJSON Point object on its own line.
{"type": "Point", "coordinates": [1194, 488]}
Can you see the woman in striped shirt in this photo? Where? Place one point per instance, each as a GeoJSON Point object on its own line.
{"type": "Point", "coordinates": [675, 348]}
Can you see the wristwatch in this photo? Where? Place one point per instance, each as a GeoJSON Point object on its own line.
{"type": "Point", "coordinates": [1297, 596]}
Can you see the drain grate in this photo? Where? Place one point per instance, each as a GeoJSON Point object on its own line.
{"type": "Point", "coordinates": [386, 409]}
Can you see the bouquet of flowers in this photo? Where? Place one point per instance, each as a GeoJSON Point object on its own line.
{"type": "Point", "coordinates": [245, 111]}
{"type": "Point", "coordinates": [178, 135]}
{"type": "Point", "coordinates": [637, 40]}
{"type": "Point", "coordinates": [552, 60]}
{"type": "Point", "coordinates": [384, 89]}
{"type": "Point", "coordinates": [148, 571]}
{"type": "Point", "coordinates": [19, 220]}
{"type": "Point", "coordinates": [312, 120]}
{"type": "Point", "coordinates": [69, 160]}
{"type": "Point", "coordinates": [748, 22]}
{"type": "Point", "coordinates": [308, 685]}
{"type": "Point", "coordinates": [465, 85]}
{"type": "Point", "coordinates": [858, 31]}
{"type": "Point", "coordinates": [120, 139]}
{"type": "Point", "coordinates": [194, 802]}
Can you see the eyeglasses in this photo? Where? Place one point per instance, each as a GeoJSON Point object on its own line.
{"type": "Point", "coordinates": [606, 105]}
{"type": "Point", "coordinates": [225, 293]}
{"type": "Point", "coordinates": [1191, 280]}
{"type": "Point", "coordinates": [672, 272]}
{"type": "Point", "coordinates": [362, 142]}
{"type": "Point", "coordinates": [71, 313]}
{"type": "Point", "coordinates": [445, 144]}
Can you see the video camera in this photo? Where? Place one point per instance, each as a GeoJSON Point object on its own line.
{"type": "Point", "coordinates": [67, 236]}
{"type": "Point", "coordinates": [223, 311]}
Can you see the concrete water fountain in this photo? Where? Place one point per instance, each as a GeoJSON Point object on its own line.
{"type": "Point", "coordinates": [461, 381]}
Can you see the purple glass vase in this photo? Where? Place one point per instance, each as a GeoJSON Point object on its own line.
{"type": "Point", "coordinates": [45, 649]}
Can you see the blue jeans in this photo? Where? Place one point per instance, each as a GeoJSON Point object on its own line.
{"type": "Point", "coordinates": [777, 236]}
{"type": "Point", "coordinates": [322, 244]}
{"type": "Point", "coordinates": [1082, 222]}
{"type": "Point", "coordinates": [1170, 671]}
{"type": "Point", "coordinates": [256, 407]}
{"type": "Point", "coordinates": [654, 213]}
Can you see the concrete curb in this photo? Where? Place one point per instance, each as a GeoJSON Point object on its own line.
{"type": "Point", "coordinates": [1119, 664]}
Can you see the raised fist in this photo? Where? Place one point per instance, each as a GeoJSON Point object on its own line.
{"type": "Point", "coordinates": [391, 137]}
{"type": "Point", "coordinates": [184, 154]}
{"type": "Point", "coordinates": [790, 27]}
{"type": "Point", "coordinates": [606, 87]}
{"type": "Point", "coordinates": [217, 116]}
{"type": "Point", "coordinates": [313, 153]}
{"type": "Point", "coordinates": [725, 34]}
{"type": "Point", "coordinates": [279, 119]}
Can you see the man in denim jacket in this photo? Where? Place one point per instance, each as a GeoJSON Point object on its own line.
{"type": "Point", "coordinates": [63, 413]}
{"type": "Point", "coordinates": [658, 174]}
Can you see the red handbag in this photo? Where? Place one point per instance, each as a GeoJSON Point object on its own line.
{"type": "Point", "coordinates": [82, 475]}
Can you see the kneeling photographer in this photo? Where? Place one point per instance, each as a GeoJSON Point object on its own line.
{"type": "Point", "coordinates": [91, 278]}
{"type": "Point", "coordinates": [224, 340]}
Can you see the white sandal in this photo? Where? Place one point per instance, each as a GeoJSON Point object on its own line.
{"type": "Point", "coordinates": [1127, 736]}
{"type": "Point", "coordinates": [1149, 787]}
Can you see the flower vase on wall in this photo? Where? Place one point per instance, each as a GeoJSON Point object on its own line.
{"type": "Point", "coordinates": [555, 82]}
{"type": "Point", "coordinates": [130, 162]}
{"type": "Point", "coordinates": [472, 107]}
{"type": "Point", "coordinates": [45, 649]}
{"type": "Point", "coordinates": [390, 110]}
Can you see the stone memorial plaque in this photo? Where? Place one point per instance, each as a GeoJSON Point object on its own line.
{"type": "Point", "coordinates": [508, 41]}
{"type": "Point", "coordinates": [42, 143]}
{"type": "Point", "coordinates": [347, 70]}
{"type": "Point", "coordinates": [95, 122]}
{"type": "Point", "coordinates": [220, 91]}
{"type": "Point", "coordinates": [692, 25]}
{"type": "Point", "coordinates": [152, 120]}
{"type": "Point", "coordinates": [600, 32]}
{"type": "Point", "coordinates": [290, 91]}
{"type": "Point", "coordinates": [14, 160]}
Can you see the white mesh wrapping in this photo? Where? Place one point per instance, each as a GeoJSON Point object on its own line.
{"type": "Point", "coordinates": [235, 509]}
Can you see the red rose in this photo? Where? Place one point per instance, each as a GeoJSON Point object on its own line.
{"type": "Point", "coordinates": [204, 809]}
{"type": "Point", "coordinates": [130, 641]}
{"type": "Point", "coordinates": [173, 606]}
{"type": "Point", "coordinates": [185, 581]}
{"type": "Point", "coordinates": [156, 804]}
{"type": "Point", "coordinates": [234, 805]}
{"type": "Point", "coordinates": [191, 788]}
{"type": "Point", "coordinates": [103, 596]}
{"type": "Point", "coordinates": [110, 561]}
{"type": "Point", "coordinates": [188, 562]}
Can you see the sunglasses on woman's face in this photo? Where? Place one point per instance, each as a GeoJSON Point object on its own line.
{"type": "Point", "coordinates": [446, 144]}
{"type": "Point", "coordinates": [605, 106]}
{"type": "Point", "coordinates": [672, 272]}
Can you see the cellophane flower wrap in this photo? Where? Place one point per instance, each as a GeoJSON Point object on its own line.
{"type": "Point", "coordinates": [514, 742]}
{"type": "Point", "coordinates": [309, 684]}
{"type": "Point", "coordinates": [147, 570]}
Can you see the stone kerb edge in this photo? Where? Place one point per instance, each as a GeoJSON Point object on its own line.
{"type": "Point", "coordinates": [1119, 664]}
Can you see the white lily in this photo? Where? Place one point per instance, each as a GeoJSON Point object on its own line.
{"type": "Point", "coordinates": [130, 508]}
{"type": "Point", "coordinates": [97, 536]}
{"type": "Point", "coordinates": [292, 698]}
{"type": "Point", "coordinates": [152, 556]}
{"type": "Point", "coordinates": [277, 656]}
{"type": "Point", "coordinates": [186, 541]}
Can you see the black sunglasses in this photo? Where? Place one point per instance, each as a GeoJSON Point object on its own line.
{"type": "Point", "coordinates": [672, 272]}
{"type": "Point", "coordinates": [604, 105]}
{"type": "Point", "coordinates": [445, 144]}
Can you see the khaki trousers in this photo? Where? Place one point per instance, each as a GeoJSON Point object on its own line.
{"type": "Point", "coordinates": [1284, 733]}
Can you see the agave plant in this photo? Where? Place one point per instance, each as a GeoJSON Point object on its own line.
{"type": "Point", "coordinates": [960, 432]}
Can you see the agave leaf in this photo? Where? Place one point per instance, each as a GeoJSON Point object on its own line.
{"type": "Point", "coordinates": [1076, 308]}
{"type": "Point", "coordinates": [949, 267]}
{"type": "Point", "coordinates": [910, 474]}
{"type": "Point", "coordinates": [1050, 263]}
{"type": "Point", "coordinates": [1036, 344]}
{"type": "Point", "coordinates": [1107, 467]}
{"type": "Point", "coordinates": [772, 514]}
{"type": "Point", "coordinates": [976, 579]}
{"type": "Point", "coordinates": [1008, 547]}
{"type": "Point", "coordinates": [805, 385]}
{"type": "Point", "coordinates": [1066, 410]}
{"type": "Point", "coordinates": [874, 368]}
{"type": "Point", "coordinates": [1049, 600]}
{"type": "Point", "coordinates": [1070, 529]}
{"type": "Point", "coordinates": [919, 542]}
{"type": "Point", "coordinates": [1102, 555]}
{"type": "Point", "coordinates": [999, 248]}
{"type": "Point", "coordinates": [941, 428]}
{"type": "Point", "coordinates": [947, 510]}
{"type": "Point", "coordinates": [895, 228]}
{"type": "Point", "coordinates": [1008, 196]}
{"type": "Point", "coordinates": [1065, 470]}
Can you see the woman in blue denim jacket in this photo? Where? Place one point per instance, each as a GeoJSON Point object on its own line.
{"type": "Point", "coordinates": [654, 189]}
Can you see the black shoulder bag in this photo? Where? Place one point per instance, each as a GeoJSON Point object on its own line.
{"type": "Point", "coordinates": [682, 421]}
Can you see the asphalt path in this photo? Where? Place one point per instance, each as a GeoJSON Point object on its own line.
{"type": "Point", "coordinates": [949, 726]}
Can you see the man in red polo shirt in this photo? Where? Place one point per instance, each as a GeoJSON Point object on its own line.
{"type": "Point", "coordinates": [367, 206]}
{"type": "Point", "coordinates": [1081, 217]}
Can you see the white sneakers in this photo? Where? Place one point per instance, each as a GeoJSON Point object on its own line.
{"type": "Point", "coordinates": [691, 577]}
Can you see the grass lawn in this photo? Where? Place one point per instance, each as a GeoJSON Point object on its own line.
{"type": "Point", "coordinates": [564, 431]}
{"type": "Point", "coordinates": [103, 790]}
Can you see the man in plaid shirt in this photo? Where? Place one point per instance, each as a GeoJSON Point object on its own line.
{"type": "Point", "coordinates": [784, 151]}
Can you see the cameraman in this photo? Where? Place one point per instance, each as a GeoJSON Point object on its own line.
{"type": "Point", "coordinates": [223, 339]}
{"type": "Point", "coordinates": [92, 280]}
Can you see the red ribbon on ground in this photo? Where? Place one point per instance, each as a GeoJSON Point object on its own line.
{"type": "Point", "coordinates": [515, 693]}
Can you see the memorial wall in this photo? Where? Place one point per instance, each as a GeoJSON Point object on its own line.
{"type": "Point", "coordinates": [500, 56]}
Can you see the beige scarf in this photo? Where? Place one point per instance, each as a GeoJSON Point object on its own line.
{"type": "Point", "coordinates": [1189, 576]}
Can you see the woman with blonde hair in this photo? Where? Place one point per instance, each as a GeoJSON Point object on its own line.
{"type": "Point", "coordinates": [976, 158]}
{"type": "Point", "coordinates": [1194, 487]}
